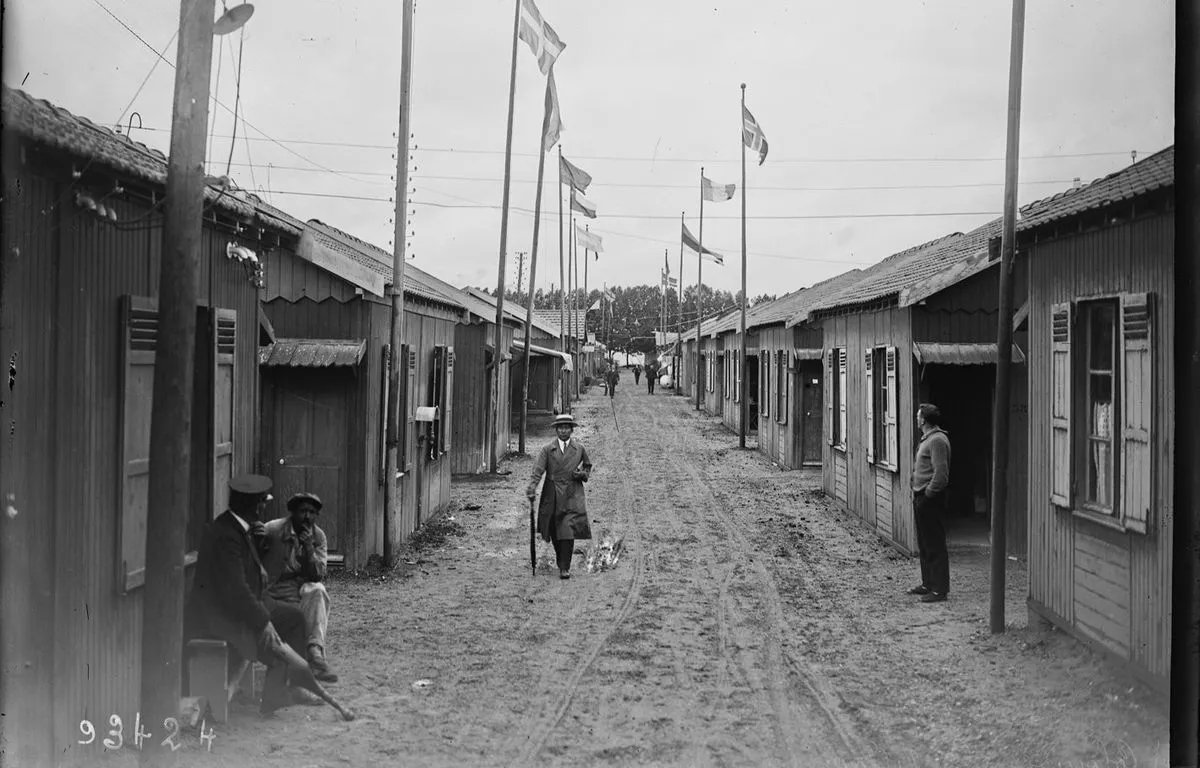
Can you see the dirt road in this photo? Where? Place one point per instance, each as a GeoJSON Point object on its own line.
{"type": "Point", "coordinates": [746, 622]}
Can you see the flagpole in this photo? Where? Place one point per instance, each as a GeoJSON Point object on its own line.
{"type": "Point", "coordinates": [562, 289]}
{"type": "Point", "coordinates": [700, 293]}
{"type": "Point", "coordinates": [574, 319]}
{"type": "Point", "coordinates": [679, 328]}
{"type": "Point", "coordinates": [537, 221]}
{"type": "Point", "coordinates": [586, 254]}
{"type": "Point", "coordinates": [742, 353]}
{"type": "Point", "coordinates": [498, 356]}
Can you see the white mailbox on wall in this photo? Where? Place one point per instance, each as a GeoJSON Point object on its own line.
{"type": "Point", "coordinates": [427, 413]}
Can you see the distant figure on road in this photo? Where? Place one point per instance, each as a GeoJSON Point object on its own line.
{"type": "Point", "coordinates": [637, 373]}
{"type": "Point", "coordinates": [562, 512]}
{"type": "Point", "coordinates": [651, 375]}
{"type": "Point", "coordinates": [930, 476]}
{"type": "Point", "coordinates": [612, 378]}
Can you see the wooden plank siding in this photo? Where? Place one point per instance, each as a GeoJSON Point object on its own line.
{"type": "Point", "coordinates": [774, 439]}
{"type": "Point", "coordinates": [1110, 586]}
{"type": "Point", "coordinates": [890, 515]}
{"type": "Point", "coordinates": [472, 402]}
{"type": "Point", "coordinates": [70, 619]}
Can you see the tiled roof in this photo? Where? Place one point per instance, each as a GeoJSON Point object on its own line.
{"type": "Point", "coordinates": [1155, 172]}
{"type": "Point", "coordinates": [312, 353]}
{"type": "Point", "coordinates": [907, 268]}
{"type": "Point", "coordinates": [711, 325]}
{"type": "Point", "coordinates": [549, 317]}
{"type": "Point", "coordinates": [55, 127]}
{"type": "Point", "coordinates": [416, 281]}
{"type": "Point", "coordinates": [786, 307]}
{"type": "Point", "coordinates": [515, 313]}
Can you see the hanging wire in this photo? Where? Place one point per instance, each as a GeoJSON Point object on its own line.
{"type": "Point", "coordinates": [216, 89]}
{"type": "Point", "coordinates": [237, 100]}
{"type": "Point", "coordinates": [245, 132]}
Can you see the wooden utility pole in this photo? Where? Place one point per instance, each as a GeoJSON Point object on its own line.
{"type": "Point", "coordinates": [171, 409]}
{"type": "Point", "coordinates": [1000, 414]}
{"type": "Point", "coordinates": [743, 406]}
{"type": "Point", "coordinates": [521, 271]}
{"type": "Point", "coordinates": [393, 470]}
{"type": "Point", "coordinates": [498, 357]}
{"type": "Point", "coordinates": [565, 402]}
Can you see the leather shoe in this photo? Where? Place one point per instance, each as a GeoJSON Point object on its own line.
{"type": "Point", "coordinates": [920, 589]}
{"type": "Point", "coordinates": [320, 667]}
{"type": "Point", "coordinates": [933, 597]}
{"type": "Point", "coordinates": [564, 574]}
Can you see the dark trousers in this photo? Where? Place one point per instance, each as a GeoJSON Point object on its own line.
{"type": "Point", "coordinates": [930, 517]}
{"type": "Point", "coordinates": [288, 621]}
{"type": "Point", "coordinates": [650, 383]}
{"type": "Point", "coordinates": [636, 376]}
{"type": "Point", "coordinates": [564, 549]}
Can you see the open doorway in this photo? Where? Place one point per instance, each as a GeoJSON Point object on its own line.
{"type": "Point", "coordinates": [964, 394]}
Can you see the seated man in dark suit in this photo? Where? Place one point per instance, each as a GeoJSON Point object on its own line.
{"type": "Point", "coordinates": [228, 601]}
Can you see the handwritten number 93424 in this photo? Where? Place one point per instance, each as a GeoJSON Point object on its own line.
{"type": "Point", "coordinates": [115, 738]}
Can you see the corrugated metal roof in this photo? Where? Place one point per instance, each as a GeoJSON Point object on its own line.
{"type": "Point", "coordinates": [1155, 172]}
{"type": "Point", "coordinates": [416, 281]}
{"type": "Point", "coordinates": [517, 314]}
{"type": "Point", "coordinates": [312, 353]}
{"type": "Point", "coordinates": [55, 127]}
{"type": "Point", "coordinates": [928, 352]}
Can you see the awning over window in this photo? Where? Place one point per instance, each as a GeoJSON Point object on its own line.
{"type": "Point", "coordinates": [808, 354]}
{"type": "Point", "coordinates": [519, 346]}
{"type": "Point", "coordinates": [928, 352]}
{"type": "Point", "coordinates": [312, 353]}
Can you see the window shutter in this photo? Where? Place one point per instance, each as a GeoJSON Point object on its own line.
{"type": "Point", "coordinates": [407, 395]}
{"type": "Point", "coordinates": [764, 383]}
{"type": "Point", "coordinates": [139, 336]}
{"type": "Point", "coordinates": [1060, 404]}
{"type": "Point", "coordinates": [446, 406]}
{"type": "Point", "coordinates": [842, 366]}
{"type": "Point", "coordinates": [829, 364]}
{"type": "Point", "coordinates": [870, 361]}
{"type": "Point", "coordinates": [1137, 411]}
{"type": "Point", "coordinates": [433, 430]}
{"type": "Point", "coordinates": [384, 391]}
{"type": "Point", "coordinates": [224, 344]}
{"type": "Point", "coordinates": [890, 426]}
{"type": "Point", "coordinates": [783, 372]}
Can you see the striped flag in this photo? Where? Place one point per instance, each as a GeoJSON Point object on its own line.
{"type": "Point", "coordinates": [689, 240]}
{"type": "Point", "coordinates": [666, 265]}
{"type": "Point", "coordinates": [583, 206]}
{"type": "Point", "coordinates": [540, 36]}
{"type": "Point", "coordinates": [753, 136]}
{"type": "Point", "coordinates": [552, 122]}
{"type": "Point", "coordinates": [588, 240]}
{"type": "Point", "coordinates": [716, 193]}
{"type": "Point", "coordinates": [569, 173]}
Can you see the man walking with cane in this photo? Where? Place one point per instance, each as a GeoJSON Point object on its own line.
{"type": "Point", "coordinates": [562, 513]}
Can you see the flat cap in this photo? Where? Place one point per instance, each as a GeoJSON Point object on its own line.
{"type": "Point", "coordinates": [250, 485]}
{"type": "Point", "coordinates": [296, 498]}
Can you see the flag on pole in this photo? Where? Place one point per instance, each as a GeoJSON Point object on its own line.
{"type": "Point", "coordinates": [753, 136]}
{"type": "Point", "coordinates": [595, 305]}
{"type": "Point", "coordinates": [672, 282]}
{"type": "Point", "coordinates": [588, 240]}
{"type": "Point", "coordinates": [689, 240]}
{"type": "Point", "coordinates": [585, 207]}
{"type": "Point", "coordinates": [716, 193]}
{"type": "Point", "coordinates": [552, 121]}
{"type": "Point", "coordinates": [573, 175]}
{"type": "Point", "coordinates": [609, 295]}
{"type": "Point", "coordinates": [540, 36]}
{"type": "Point", "coordinates": [667, 265]}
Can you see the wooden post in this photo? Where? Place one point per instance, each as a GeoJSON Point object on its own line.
{"type": "Point", "coordinates": [1000, 415]}
{"type": "Point", "coordinates": [537, 221]}
{"type": "Point", "coordinates": [743, 408]}
{"type": "Point", "coordinates": [1185, 537]}
{"type": "Point", "coordinates": [498, 357]}
{"type": "Point", "coordinates": [396, 364]}
{"type": "Point", "coordinates": [171, 409]}
{"type": "Point", "coordinates": [565, 405]}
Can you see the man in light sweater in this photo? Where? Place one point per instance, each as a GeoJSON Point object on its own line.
{"type": "Point", "coordinates": [931, 475]}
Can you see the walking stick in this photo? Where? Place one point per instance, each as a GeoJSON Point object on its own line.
{"type": "Point", "coordinates": [614, 410]}
{"type": "Point", "coordinates": [532, 538]}
{"type": "Point", "coordinates": [302, 675]}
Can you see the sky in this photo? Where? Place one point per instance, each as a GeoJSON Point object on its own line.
{"type": "Point", "coordinates": [886, 119]}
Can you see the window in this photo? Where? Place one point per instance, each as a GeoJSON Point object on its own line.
{"type": "Point", "coordinates": [882, 434]}
{"type": "Point", "coordinates": [835, 398]}
{"type": "Point", "coordinates": [729, 375]}
{"type": "Point", "coordinates": [408, 361]}
{"type": "Point", "coordinates": [139, 337]}
{"type": "Point", "coordinates": [737, 378]}
{"type": "Point", "coordinates": [710, 379]}
{"type": "Point", "coordinates": [782, 387]}
{"type": "Point", "coordinates": [442, 391]}
{"type": "Point", "coordinates": [764, 382]}
{"type": "Point", "coordinates": [1101, 413]}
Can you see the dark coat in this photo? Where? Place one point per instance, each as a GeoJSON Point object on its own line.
{"type": "Point", "coordinates": [226, 599]}
{"type": "Point", "coordinates": [563, 507]}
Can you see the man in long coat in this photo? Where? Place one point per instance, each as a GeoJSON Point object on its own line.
{"type": "Point", "coordinates": [562, 513]}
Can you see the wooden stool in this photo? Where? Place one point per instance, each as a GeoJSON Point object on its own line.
{"type": "Point", "coordinates": [208, 675]}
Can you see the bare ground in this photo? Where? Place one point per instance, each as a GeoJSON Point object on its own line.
{"type": "Point", "coordinates": [747, 621]}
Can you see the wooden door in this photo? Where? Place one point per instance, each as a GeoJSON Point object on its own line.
{"type": "Point", "coordinates": [310, 443]}
{"type": "Point", "coordinates": [811, 404]}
